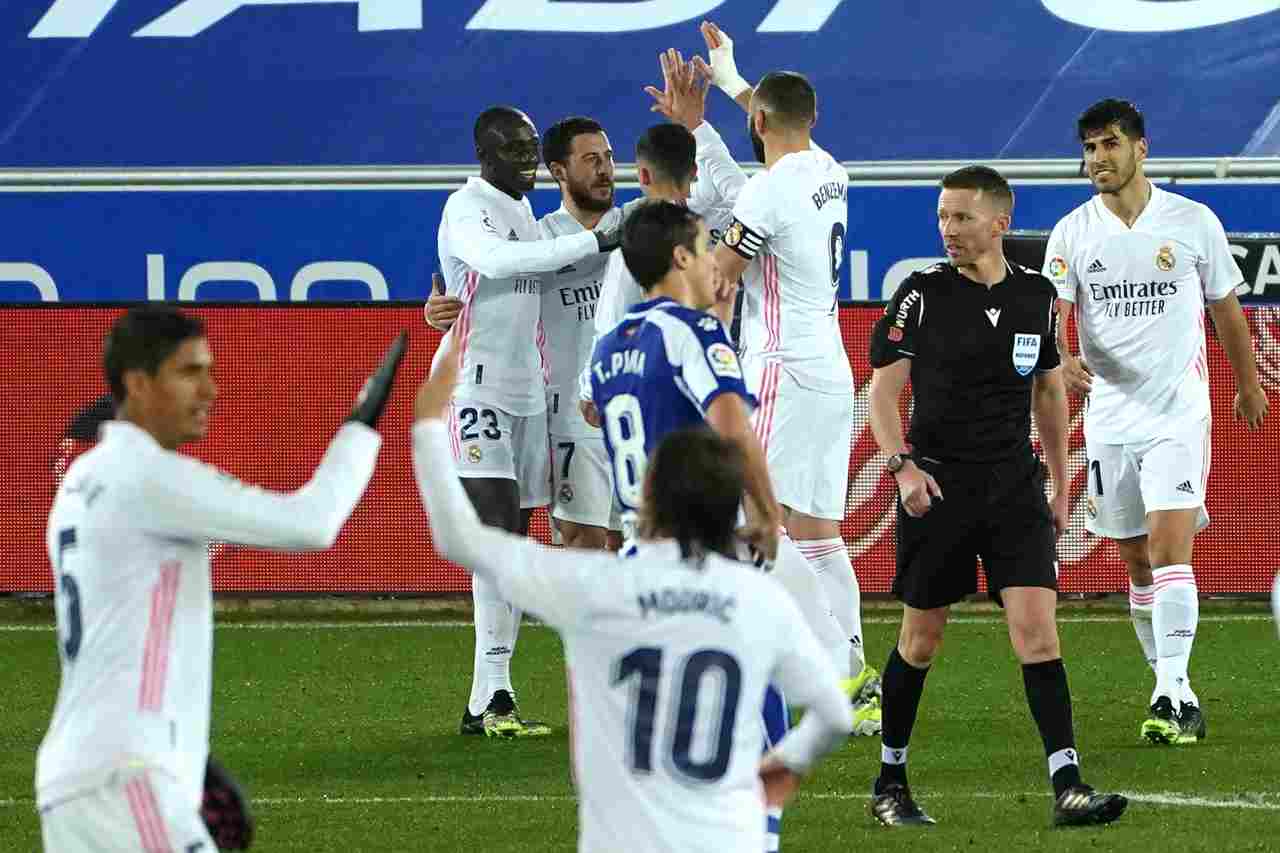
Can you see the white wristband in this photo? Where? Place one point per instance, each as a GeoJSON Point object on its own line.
{"type": "Point", "coordinates": [734, 86]}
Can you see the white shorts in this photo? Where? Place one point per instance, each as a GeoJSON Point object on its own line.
{"type": "Point", "coordinates": [138, 811]}
{"type": "Point", "coordinates": [492, 444]}
{"type": "Point", "coordinates": [1127, 481]}
{"type": "Point", "coordinates": [582, 482]}
{"type": "Point", "coordinates": [807, 438]}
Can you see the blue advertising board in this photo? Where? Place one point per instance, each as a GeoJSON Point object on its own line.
{"type": "Point", "coordinates": [380, 244]}
{"type": "Point", "coordinates": [350, 82]}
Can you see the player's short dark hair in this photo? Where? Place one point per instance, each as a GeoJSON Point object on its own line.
{"type": "Point", "coordinates": [557, 140]}
{"type": "Point", "coordinates": [789, 96]}
{"type": "Point", "coordinates": [495, 117]}
{"type": "Point", "coordinates": [650, 236]}
{"type": "Point", "coordinates": [984, 179]}
{"type": "Point", "coordinates": [694, 489]}
{"type": "Point", "coordinates": [142, 339]}
{"type": "Point", "coordinates": [670, 150]}
{"type": "Point", "coordinates": [1105, 113]}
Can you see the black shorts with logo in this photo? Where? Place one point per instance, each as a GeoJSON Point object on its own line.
{"type": "Point", "coordinates": [993, 512]}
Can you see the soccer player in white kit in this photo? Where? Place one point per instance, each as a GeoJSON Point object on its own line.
{"type": "Point", "coordinates": [122, 766]}
{"type": "Point", "coordinates": [494, 259]}
{"type": "Point", "coordinates": [669, 651]}
{"type": "Point", "coordinates": [1135, 266]}
{"type": "Point", "coordinates": [787, 242]}
{"type": "Point", "coordinates": [668, 156]}
{"type": "Point", "coordinates": [580, 158]}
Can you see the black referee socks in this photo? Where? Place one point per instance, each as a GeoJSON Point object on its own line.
{"type": "Point", "coordinates": [1050, 701]}
{"type": "Point", "coordinates": [901, 686]}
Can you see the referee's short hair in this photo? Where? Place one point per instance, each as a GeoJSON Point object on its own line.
{"type": "Point", "coordinates": [650, 236]}
{"type": "Point", "coordinates": [984, 179]}
{"type": "Point", "coordinates": [694, 488]}
{"type": "Point", "coordinates": [142, 339]}
{"type": "Point", "coordinates": [1107, 112]}
{"type": "Point", "coordinates": [668, 149]}
{"type": "Point", "coordinates": [557, 140]}
{"type": "Point", "coordinates": [788, 96]}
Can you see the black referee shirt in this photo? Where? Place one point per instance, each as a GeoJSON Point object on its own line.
{"type": "Point", "coordinates": [974, 351]}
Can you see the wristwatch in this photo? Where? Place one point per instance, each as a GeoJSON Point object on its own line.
{"type": "Point", "coordinates": [896, 462]}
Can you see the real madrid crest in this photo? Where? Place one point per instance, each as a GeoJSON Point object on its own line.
{"type": "Point", "coordinates": [566, 493]}
{"type": "Point", "coordinates": [474, 454]}
{"type": "Point", "coordinates": [733, 236]}
{"type": "Point", "coordinates": [1164, 259]}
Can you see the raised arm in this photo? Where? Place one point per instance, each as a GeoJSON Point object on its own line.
{"type": "Point", "coordinates": [683, 100]}
{"type": "Point", "coordinates": [552, 584]}
{"type": "Point", "coordinates": [723, 70]}
{"type": "Point", "coordinates": [185, 498]}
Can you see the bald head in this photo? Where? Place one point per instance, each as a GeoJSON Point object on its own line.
{"type": "Point", "coordinates": [498, 122]}
{"type": "Point", "coordinates": [507, 148]}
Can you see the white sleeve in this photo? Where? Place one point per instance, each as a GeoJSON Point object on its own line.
{"type": "Point", "coordinates": [183, 497]}
{"type": "Point", "coordinates": [1219, 273]}
{"type": "Point", "coordinates": [1057, 263]}
{"type": "Point", "coordinates": [807, 678]}
{"type": "Point", "coordinates": [720, 178]}
{"type": "Point", "coordinates": [753, 218]}
{"type": "Point", "coordinates": [617, 294]}
{"type": "Point", "coordinates": [475, 241]}
{"type": "Point", "coordinates": [554, 584]}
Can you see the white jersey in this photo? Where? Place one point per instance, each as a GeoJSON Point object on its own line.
{"type": "Point", "coordinates": [491, 255]}
{"type": "Point", "coordinates": [668, 664]}
{"type": "Point", "coordinates": [128, 539]}
{"type": "Point", "coordinates": [568, 319]}
{"type": "Point", "coordinates": [1139, 296]}
{"type": "Point", "coordinates": [790, 221]}
{"type": "Point", "coordinates": [720, 180]}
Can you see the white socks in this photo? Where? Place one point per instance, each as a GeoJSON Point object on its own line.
{"type": "Point", "coordinates": [796, 573]}
{"type": "Point", "coordinates": [1140, 601]}
{"type": "Point", "coordinates": [497, 624]}
{"type": "Point", "coordinates": [830, 559]}
{"type": "Point", "coordinates": [1174, 615]}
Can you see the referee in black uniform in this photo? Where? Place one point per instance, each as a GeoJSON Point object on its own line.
{"type": "Point", "coordinates": [975, 336]}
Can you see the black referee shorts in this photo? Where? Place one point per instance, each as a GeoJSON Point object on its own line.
{"type": "Point", "coordinates": [995, 512]}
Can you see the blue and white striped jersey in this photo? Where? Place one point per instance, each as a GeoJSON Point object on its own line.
{"type": "Point", "coordinates": [656, 372]}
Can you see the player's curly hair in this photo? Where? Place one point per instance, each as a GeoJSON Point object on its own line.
{"type": "Point", "coordinates": [693, 490]}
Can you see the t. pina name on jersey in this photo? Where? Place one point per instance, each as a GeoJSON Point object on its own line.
{"type": "Point", "coordinates": [625, 361]}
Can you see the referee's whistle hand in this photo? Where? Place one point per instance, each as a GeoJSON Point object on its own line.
{"type": "Point", "coordinates": [1077, 376]}
{"type": "Point", "coordinates": [917, 489]}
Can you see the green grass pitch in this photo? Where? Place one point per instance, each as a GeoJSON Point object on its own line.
{"type": "Point", "coordinates": [345, 736]}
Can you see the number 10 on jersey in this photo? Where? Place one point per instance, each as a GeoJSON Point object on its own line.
{"type": "Point", "coordinates": [706, 761]}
